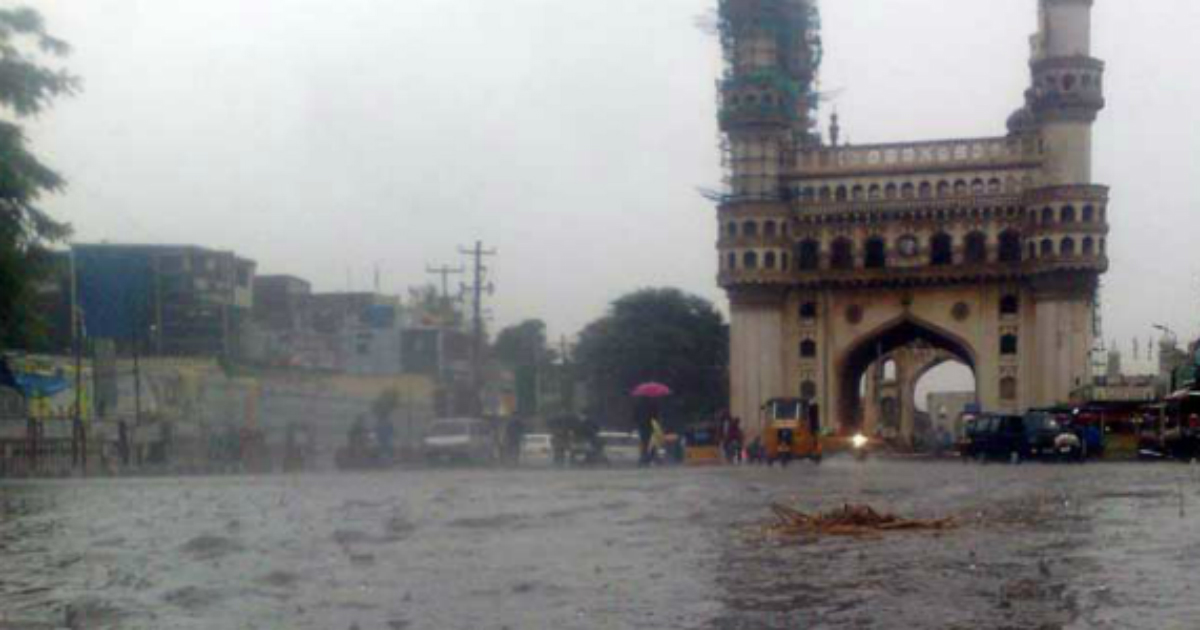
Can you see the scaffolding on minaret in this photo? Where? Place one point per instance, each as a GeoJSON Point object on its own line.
{"type": "Point", "coordinates": [1099, 348]}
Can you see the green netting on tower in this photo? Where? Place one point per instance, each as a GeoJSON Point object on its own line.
{"type": "Point", "coordinates": [787, 74]}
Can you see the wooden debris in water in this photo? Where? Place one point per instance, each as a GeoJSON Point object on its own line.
{"type": "Point", "coordinates": [849, 520]}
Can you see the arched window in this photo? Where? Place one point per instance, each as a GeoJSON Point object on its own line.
{"type": "Point", "coordinates": [1068, 214]}
{"type": "Point", "coordinates": [941, 250]}
{"type": "Point", "coordinates": [960, 188]}
{"type": "Point", "coordinates": [976, 248]}
{"type": "Point", "coordinates": [995, 186]}
{"type": "Point", "coordinates": [943, 189]}
{"type": "Point", "coordinates": [925, 191]}
{"type": "Point", "coordinates": [856, 193]}
{"type": "Point", "coordinates": [1010, 247]}
{"type": "Point", "coordinates": [750, 260]}
{"type": "Point", "coordinates": [1089, 214]}
{"type": "Point", "coordinates": [1008, 388]}
{"type": "Point", "coordinates": [809, 194]}
{"type": "Point", "coordinates": [770, 229]}
{"type": "Point", "coordinates": [731, 261]}
{"type": "Point", "coordinates": [876, 254]}
{"type": "Point", "coordinates": [1089, 246]}
{"type": "Point", "coordinates": [750, 229]}
{"type": "Point", "coordinates": [808, 255]}
{"type": "Point", "coordinates": [1010, 305]}
{"type": "Point", "coordinates": [978, 187]}
{"type": "Point", "coordinates": [826, 193]}
{"type": "Point", "coordinates": [808, 311]}
{"type": "Point", "coordinates": [842, 254]}
{"type": "Point", "coordinates": [808, 390]}
{"type": "Point", "coordinates": [908, 191]}
{"type": "Point", "coordinates": [873, 192]}
{"type": "Point", "coordinates": [842, 193]}
{"type": "Point", "coordinates": [1067, 248]}
{"type": "Point", "coordinates": [889, 192]}
{"type": "Point", "coordinates": [1047, 247]}
{"type": "Point", "coordinates": [769, 260]}
{"type": "Point", "coordinates": [1008, 345]}
{"type": "Point", "coordinates": [808, 349]}
{"type": "Point", "coordinates": [1047, 215]}
{"type": "Point", "coordinates": [731, 229]}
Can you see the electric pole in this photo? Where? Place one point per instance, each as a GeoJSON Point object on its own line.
{"type": "Point", "coordinates": [477, 289]}
{"type": "Point", "coordinates": [445, 271]}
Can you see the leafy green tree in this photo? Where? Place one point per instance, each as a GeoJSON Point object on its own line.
{"type": "Point", "coordinates": [385, 404]}
{"type": "Point", "coordinates": [659, 335]}
{"type": "Point", "coordinates": [523, 345]}
{"type": "Point", "coordinates": [27, 87]}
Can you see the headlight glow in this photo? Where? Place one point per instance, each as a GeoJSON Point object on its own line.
{"type": "Point", "coordinates": [859, 441]}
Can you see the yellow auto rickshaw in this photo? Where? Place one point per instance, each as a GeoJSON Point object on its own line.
{"type": "Point", "coordinates": [791, 430]}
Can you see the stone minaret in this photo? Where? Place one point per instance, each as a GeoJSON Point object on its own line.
{"type": "Point", "coordinates": [1063, 103]}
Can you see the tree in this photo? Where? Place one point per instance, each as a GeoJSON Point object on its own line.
{"type": "Point", "coordinates": [385, 404]}
{"type": "Point", "coordinates": [27, 88]}
{"type": "Point", "coordinates": [659, 335]}
{"type": "Point", "coordinates": [522, 345]}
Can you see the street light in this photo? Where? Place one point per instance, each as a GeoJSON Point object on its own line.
{"type": "Point", "coordinates": [1170, 333]}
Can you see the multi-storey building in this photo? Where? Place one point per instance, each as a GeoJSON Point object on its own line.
{"type": "Point", "coordinates": [985, 251]}
{"type": "Point", "coordinates": [168, 299]}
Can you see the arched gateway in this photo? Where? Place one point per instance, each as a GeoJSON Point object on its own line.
{"type": "Point", "coordinates": [982, 251]}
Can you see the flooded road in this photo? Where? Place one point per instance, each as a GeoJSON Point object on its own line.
{"type": "Point", "coordinates": [1102, 546]}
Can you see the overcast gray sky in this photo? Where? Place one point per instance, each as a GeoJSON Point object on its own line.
{"type": "Point", "coordinates": [323, 137]}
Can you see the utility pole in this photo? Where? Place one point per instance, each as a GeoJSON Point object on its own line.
{"type": "Point", "coordinates": [445, 271]}
{"type": "Point", "coordinates": [477, 289]}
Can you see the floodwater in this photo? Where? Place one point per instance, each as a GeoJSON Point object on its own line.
{"type": "Point", "coordinates": [1097, 546]}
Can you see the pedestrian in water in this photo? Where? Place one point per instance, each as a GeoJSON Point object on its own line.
{"type": "Point", "coordinates": [658, 439]}
{"type": "Point", "coordinates": [733, 441]}
{"type": "Point", "coordinates": [645, 429]}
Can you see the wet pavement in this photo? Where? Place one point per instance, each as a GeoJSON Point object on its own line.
{"type": "Point", "coordinates": [1097, 546]}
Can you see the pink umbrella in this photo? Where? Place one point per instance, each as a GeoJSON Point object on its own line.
{"type": "Point", "coordinates": [651, 390]}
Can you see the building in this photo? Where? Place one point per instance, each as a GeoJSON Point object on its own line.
{"type": "Point", "coordinates": [836, 258]}
{"type": "Point", "coordinates": [179, 300]}
{"type": "Point", "coordinates": [351, 333]}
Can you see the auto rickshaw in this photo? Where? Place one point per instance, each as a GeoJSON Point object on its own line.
{"type": "Point", "coordinates": [791, 430]}
{"type": "Point", "coordinates": [702, 446]}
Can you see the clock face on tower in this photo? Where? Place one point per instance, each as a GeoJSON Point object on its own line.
{"type": "Point", "coordinates": [908, 246]}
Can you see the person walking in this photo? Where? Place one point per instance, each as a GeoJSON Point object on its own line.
{"type": "Point", "coordinates": [645, 429]}
{"type": "Point", "coordinates": [734, 439]}
{"type": "Point", "coordinates": [658, 439]}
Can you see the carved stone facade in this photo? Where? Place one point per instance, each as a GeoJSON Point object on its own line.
{"type": "Point", "coordinates": [984, 250]}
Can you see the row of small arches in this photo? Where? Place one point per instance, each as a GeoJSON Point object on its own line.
{"type": "Point", "coordinates": [941, 252]}
{"type": "Point", "coordinates": [910, 190]}
{"type": "Point", "coordinates": [1067, 214]}
{"type": "Point", "coordinates": [1048, 215]}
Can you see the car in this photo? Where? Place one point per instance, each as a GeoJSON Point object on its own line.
{"type": "Point", "coordinates": [621, 449]}
{"type": "Point", "coordinates": [462, 440]}
{"type": "Point", "coordinates": [1035, 435]}
{"type": "Point", "coordinates": [537, 449]}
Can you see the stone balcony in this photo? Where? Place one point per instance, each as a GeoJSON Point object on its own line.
{"type": "Point", "coordinates": [979, 154]}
